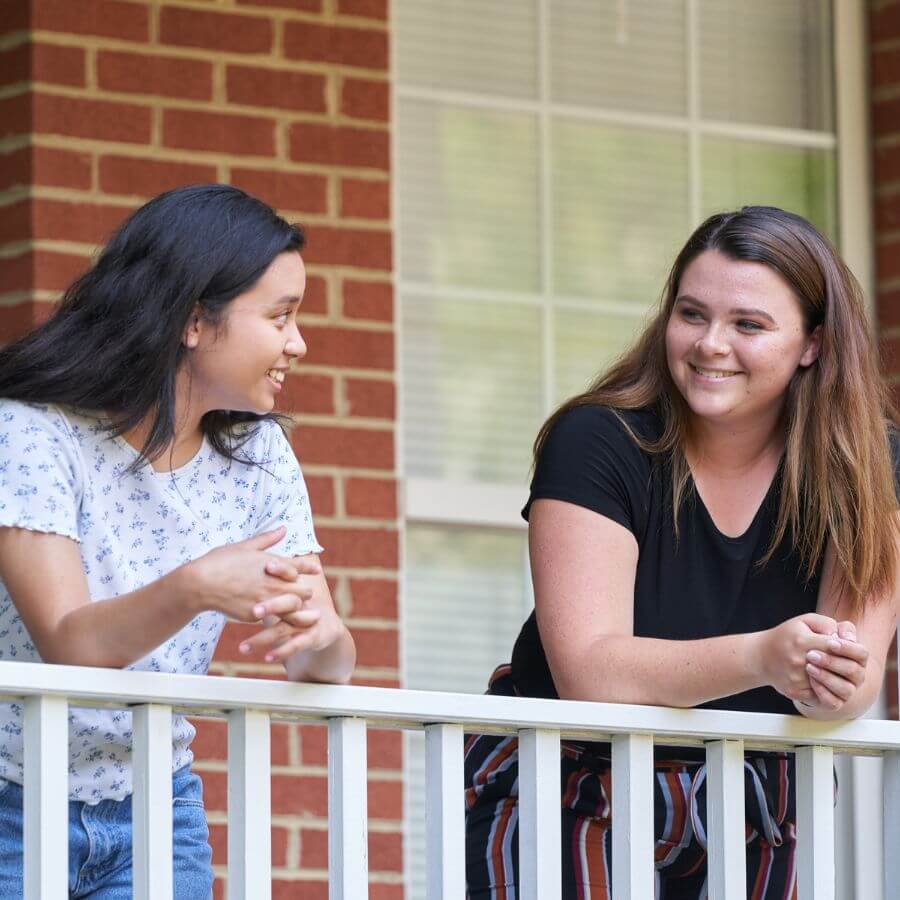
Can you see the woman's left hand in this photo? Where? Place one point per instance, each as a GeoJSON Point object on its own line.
{"type": "Point", "coordinates": [836, 676]}
{"type": "Point", "coordinates": [288, 630]}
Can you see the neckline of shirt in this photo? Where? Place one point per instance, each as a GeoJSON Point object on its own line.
{"type": "Point", "coordinates": [169, 473]}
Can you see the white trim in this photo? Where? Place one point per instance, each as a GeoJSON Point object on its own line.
{"type": "Point", "coordinates": [485, 295]}
{"type": "Point", "coordinates": [398, 708]}
{"type": "Point", "coordinates": [854, 145]}
{"type": "Point", "coordinates": [859, 842]}
{"type": "Point", "coordinates": [799, 137]}
{"type": "Point", "coordinates": [456, 503]}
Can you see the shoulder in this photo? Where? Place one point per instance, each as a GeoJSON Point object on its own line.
{"type": "Point", "coordinates": [268, 447]}
{"type": "Point", "coordinates": [594, 427]}
{"type": "Point", "coordinates": [20, 420]}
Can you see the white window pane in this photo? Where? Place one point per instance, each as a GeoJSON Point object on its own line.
{"type": "Point", "coordinates": [798, 179]}
{"type": "Point", "coordinates": [466, 596]}
{"type": "Point", "coordinates": [467, 45]}
{"type": "Point", "coordinates": [472, 388]}
{"type": "Point", "coordinates": [586, 343]}
{"type": "Point", "coordinates": [620, 209]}
{"type": "Point", "coordinates": [468, 197]}
{"type": "Point", "coordinates": [619, 54]}
{"type": "Point", "coordinates": [768, 62]}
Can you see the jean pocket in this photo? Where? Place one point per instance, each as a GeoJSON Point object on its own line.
{"type": "Point", "coordinates": [187, 801]}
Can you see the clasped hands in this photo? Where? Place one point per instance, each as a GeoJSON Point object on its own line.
{"type": "Point", "coordinates": [248, 584]}
{"type": "Point", "coordinates": [290, 621]}
{"type": "Point", "coordinates": [815, 660]}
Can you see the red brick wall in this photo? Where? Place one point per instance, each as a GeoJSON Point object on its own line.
{"type": "Point", "coordinates": [884, 31]}
{"type": "Point", "coordinates": [104, 103]}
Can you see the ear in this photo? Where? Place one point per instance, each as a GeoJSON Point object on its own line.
{"type": "Point", "coordinates": [813, 346]}
{"type": "Point", "coordinates": [194, 328]}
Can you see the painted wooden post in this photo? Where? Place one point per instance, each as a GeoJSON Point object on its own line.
{"type": "Point", "coordinates": [444, 813]}
{"type": "Point", "coordinates": [348, 865]}
{"type": "Point", "coordinates": [249, 806]}
{"type": "Point", "coordinates": [892, 824]}
{"type": "Point", "coordinates": [540, 825]}
{"type": "Point", "coordinates": [152, 801]}
{"type": "Point", "coordinates": [46, 801]}
{"type": "Point", "coordinates": [815, 823]}
{"type": "Point", "coordinates": [725, 831]}
{"type": "Point", "coordinates": [632, 817]}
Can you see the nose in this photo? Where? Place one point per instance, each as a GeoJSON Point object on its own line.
{"type": "Point", "coordinates": [295, 345]}
{"type": "Point", "coordinates": [713, 341]}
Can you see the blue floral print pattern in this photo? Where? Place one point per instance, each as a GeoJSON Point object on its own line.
{"type": "Point", "coordinates": [61, 473]}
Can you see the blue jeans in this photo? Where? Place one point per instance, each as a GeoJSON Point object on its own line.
{"type": "Point", "coordinates": [100, 844]}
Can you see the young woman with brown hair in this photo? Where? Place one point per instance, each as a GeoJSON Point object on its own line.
{"type": "Point", "coordinates": [713, 523]}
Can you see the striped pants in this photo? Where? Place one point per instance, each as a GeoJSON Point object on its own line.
{"type": "Point", "coordinates": [491, 772]}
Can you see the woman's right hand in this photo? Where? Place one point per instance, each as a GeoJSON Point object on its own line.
{"type": "Point", "coordinates": [244, 582]}
{"type": "Point", "coordinates": [782, 653]}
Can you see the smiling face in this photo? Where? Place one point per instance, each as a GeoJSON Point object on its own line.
{"type": "Point", "coordinates": [240, 364]}
{"type": "Point", "coordinates": [734, 339]}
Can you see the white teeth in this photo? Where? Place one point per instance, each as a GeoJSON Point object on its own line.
{"type": "Point", "coordinates": [713, 373]}
{"type": "Point", "coordinates": [276, 375]}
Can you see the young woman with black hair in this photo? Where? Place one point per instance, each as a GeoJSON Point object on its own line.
{"type": "Point", "coordinates": [713, 523]}
{"type": "Point", "coordinates": [147, 494]}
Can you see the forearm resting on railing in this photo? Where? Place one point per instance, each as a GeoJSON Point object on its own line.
{"type": "Point", "coordinates": [118, 631]}
{"type": "Point", "coordinates": [627, 669]}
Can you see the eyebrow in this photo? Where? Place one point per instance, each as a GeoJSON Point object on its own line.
{"type": "Point", "coordinates": [288, 298]}
{"type": "Point", "coordinates": [738, 310]}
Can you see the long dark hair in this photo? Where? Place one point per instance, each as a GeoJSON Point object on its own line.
{"type": "Point", "coordinates": [114, 344]}
{"type": "Point", "coordinates": [837, 462]}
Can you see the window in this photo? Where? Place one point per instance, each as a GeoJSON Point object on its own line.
{"type": "Point", "coordinates": [550, 159]}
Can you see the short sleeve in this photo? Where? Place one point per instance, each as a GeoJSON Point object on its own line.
{"type": "Point", "coordinates": [285, 500]}
{"type": "Point", "coordinates": [40, 470]}
{"type": "Point", "coordinates": [591, 460]}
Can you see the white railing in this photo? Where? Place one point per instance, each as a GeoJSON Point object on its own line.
{"type": "Point", "coordinates": [250, 704]}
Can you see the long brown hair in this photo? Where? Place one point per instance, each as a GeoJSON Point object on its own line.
{"type": "Point", "coordinates": [837, 462]}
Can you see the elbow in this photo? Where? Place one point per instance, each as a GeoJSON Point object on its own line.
{"type": "Point", "coordinates": [69, 646]}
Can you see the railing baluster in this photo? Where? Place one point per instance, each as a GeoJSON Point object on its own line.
{"type": "Point", "coordinates": [632, 817]}
{"type": "Point", "coordinates": [725, 819]}
{"type": "Point", "coordinates": [540, 859]}
{"type": "Point", "coordinates": [46, 813]}
{"type": "Point", "coordinates": [444, 813]}
{"type": "Point", "coordinates": [249, 806]}
{"type": "Point", "coordinates": [891, 826]}
{"type": "Point", "coordinates": [152, 801]}
{"type": "Point", "coordinates": [815, 823]}
{"type": "Point", "coordinates": [348, 867]}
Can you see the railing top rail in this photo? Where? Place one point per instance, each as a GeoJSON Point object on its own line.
{"type": "Point", "coordinates": [392, 707]}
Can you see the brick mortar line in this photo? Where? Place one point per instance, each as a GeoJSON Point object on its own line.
{"type": "Point", "coordinates": [16, 89]}
{"type": "Point", "coordinates": [228, 6]}
{"type": "Point", "coordinates": [157, 101]}
{"type": "Point", "coordinates": [376, 876]}
{"type": "Point", "coordinates": [888, 284]}
{"type": "Point", "coordinates": [13, 142]}
{"type": "Point", "coordinates": [321, 419]}
{"type": "Point", "coordinates": [205, 54]}
{"type": "Point", "coordinates": [372, 624]}
{"type": "Point", "coordinates": [12, 39]}
{"type": "Point", "coordinates": [890, 332]}
{"type": "Point", "coordinates": [14, 249]}
{"type": "Point", "coordinates": [127, 202]}
{"type": "Point", "coordinates": [329, 14]}
{"type": "Point", "coordinates": [375, 775]}
{"type": "Point", "coordinates": [13, 298]}
{"type": "Point", "coordinates": [208, 157]}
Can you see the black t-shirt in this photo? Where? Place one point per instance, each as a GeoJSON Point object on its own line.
{"type": "Point", "coordinates": [704, 585]}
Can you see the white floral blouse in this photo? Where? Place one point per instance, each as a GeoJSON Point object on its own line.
{"type": "Point", "coordinates": [61, 472]}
